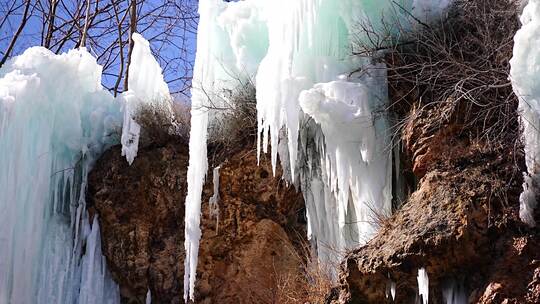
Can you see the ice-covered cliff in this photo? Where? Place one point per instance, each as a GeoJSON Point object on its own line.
{"type": "Point", "coordinates": [324, 122]}
{"type": "Point", "coordinates": [524, 75]}
{"type": "Point", "coordinates": [55, 121]}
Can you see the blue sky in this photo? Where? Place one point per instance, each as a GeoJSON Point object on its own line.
{"type": "Point", "coordinates": [172, 38]}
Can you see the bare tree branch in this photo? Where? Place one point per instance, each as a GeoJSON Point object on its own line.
{"type": "Point", "coordinates": [16, 36]}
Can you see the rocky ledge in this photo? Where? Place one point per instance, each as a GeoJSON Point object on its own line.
{"type": "Point", "coordinates": [461, 225]}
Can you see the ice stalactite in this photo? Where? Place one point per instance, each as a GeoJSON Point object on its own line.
{"type": "Point", "coordinates": [214, 200]}
{"type": "Point", "coordinates": [146, 86]}
{"type": "Point", "coordinates": [524, 74]}
{"type": "Point", "coordinates": [423, 285]}
{"type": "Point", "coordinates": [356, 158]}
{"type": "Point", "coordinates": [55, 120]}
{"type": "Point", "coordinates": [148, 297]}
{"type": "Point", "coordinates": [391, 289]}
{"type": "Point", "coordinates": [327, 125]}
{"type": "Point", "coordinates": [454, 293]}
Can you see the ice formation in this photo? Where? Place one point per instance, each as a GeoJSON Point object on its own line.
{"type": "Point", "coordinates": [454, 293]}
{"type": "Point", "coordinates": [326, 124]}
{"type": "Point", "coordinates": [55, 120]}
{"type": "Point", "coordinates": [524, 74]}
{"type": "Point", "coordinates": [391, 289]}
{"type": "Point", "coordinates": [214, 200]}
{"type": "Point", "coordinates": [148, 297]}
{"type": "Point", "coordinates": [146, 86]}
{"type": "Point", "coordinates": [423, 285]}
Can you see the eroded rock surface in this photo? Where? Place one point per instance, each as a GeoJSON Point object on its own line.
{"type": "Point", "coordinates": [243, 255]}
{"type": "Point", "coordinates": [461, 224]}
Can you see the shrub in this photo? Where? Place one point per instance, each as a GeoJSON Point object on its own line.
{"type": "Point", "coordinates": [234, 122]}
{"type": "Point", "coordinates": [159, 124]}
{"type": "Point", "coordinates": [310, 284]}
{"type": "Point", "coordinates": [462, 59]}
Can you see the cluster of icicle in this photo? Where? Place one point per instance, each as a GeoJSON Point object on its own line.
{"type": "Point", "coordinates": [525, 76]}
{"type": "Point", "coordinates": [326, 125]}
{"type": "Point", "coordinates": [55, 121]}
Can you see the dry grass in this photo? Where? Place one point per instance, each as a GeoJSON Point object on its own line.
{"type": "Point", "coordinates": [159, 124]}
{"type": "Point", "coordinates": [308, 285]}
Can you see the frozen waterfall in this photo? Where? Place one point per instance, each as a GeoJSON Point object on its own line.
{"type": "Point", "coordinates": [55, 121]}
{"type": "Point", "coordinates": [524, 74]}
{"type": "Point", "coordinates": [327, 125]}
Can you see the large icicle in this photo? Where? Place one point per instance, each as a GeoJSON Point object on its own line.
{"type": "Point", "coordinates": [305, 75]}
{"type": "Point", "coordinates": [55, 120]}
{"type": "Point", "coordinates": [146, 86]}
{"type": "Point", "coordinates": [356, 158]}
{"type": "Point", "coordinates": [525, 75]}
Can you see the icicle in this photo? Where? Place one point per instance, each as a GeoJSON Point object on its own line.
{"type": "Point", "coordinates": [423, 285]}
{"type": "Point", "coordinates": [454, 293]}
{"type": "Point", "coordinates": [214, 200]}
{"type": "Point", "coordinates": [391, 289]}
{"type": "Point", "coordinates": [55, 120]}
{"type": "Point", "coordinates": [148, 297]}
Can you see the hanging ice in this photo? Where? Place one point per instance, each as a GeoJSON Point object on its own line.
{"type": "Point", "coordinates": [146, 86]}
{"type": "Point", "coordinates": [391, 289]}
{"type": "Point", "coordinates": [148, 297]}
{"type": "Point", "coordinates": [231, 39]}
{"type": "Point", "coordinates": [300, 54]}
{"type": "Point", "coordinates": [423, 285]}
{"type": "Point", "coordinates": [356, 157]}
{"type": "Point", "coordinates": [214, 200]}
{"type": "Point", "coordinates": [454, 293]}
{"type": "Point", "coordinates": [525, 76]}
{"type": "Point", "coordinates": [55, 120]}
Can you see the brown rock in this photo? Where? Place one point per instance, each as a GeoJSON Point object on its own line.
{"type": "Point", "coordinates": [141, 209]}
{"type": "Point", "coordinates": [461, 224]}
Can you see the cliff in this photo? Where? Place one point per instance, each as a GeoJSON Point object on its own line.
{"type": "Point", "coordinates": [461, 224]}
{"type": "Point", "coordinates": [245, 254]}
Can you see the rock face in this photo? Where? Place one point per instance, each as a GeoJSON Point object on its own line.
{"type": "Point", "coordinates": [461, 225]}
{"type": "Point", "coordinates": [244, 253]}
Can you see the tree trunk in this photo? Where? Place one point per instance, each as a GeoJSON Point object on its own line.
{"type": "Point", "coordinates": [132, 30]}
